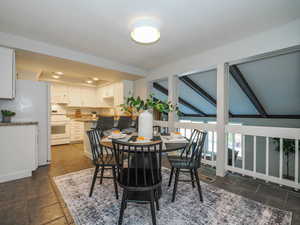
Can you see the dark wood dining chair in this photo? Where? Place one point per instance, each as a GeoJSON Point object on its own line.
{"type": "Point", "coordinates": [103, 158]}
{"type": "Point", "coordinates": [139, 174]}
{"type": "Point", "coordinates": [124, 122]}
{"type": "Point", "coordinates": [188, 161]}
{"type": "Point", "coordinates": [105, 123]}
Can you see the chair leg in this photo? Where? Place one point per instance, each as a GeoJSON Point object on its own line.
{"type": "Point", "coordinates": [123, 204]}
{"type": "Point", "coordinates": [101, 175]}
{"type": "Point", "coordinates": [94, 180]}
{"type": "Point", "coordinates": [192, 178]}
{"type": "Point", "coordinates": [115, 181]}
{"type": "Point", "coordinates": [198, 184]}
{"type": "Point", "coordinates": [152, 207]}
{"type": "Point", "coordinates": [171, 176]}
{"type": "Point", "coordinates": [156, 200]}
{"type": "Point", "coordinates": [175, 184]}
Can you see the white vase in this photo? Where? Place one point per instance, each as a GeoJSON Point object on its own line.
{"type": "Point", "coordinates": [146, 124]}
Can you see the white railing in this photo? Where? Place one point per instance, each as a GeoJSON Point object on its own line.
{"type": "Point", "coordinates": [209, 151]}
{"type": "Point", "coordinates": [267, 133]}
{"type": "Point", "coordinates": [238, 134]}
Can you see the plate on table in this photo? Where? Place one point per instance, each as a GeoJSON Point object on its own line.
{"type": "Point", "coordinates": [120, 136]}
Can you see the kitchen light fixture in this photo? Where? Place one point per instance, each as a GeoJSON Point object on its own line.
{"type": "Point", "coordinates": [145, 31]}
{"type": "Point", "coordinates": [55, 76]}
{"type": "Point", "coordinates": [89, 81]}
{"type": "Point", "coordinates": [59, 73]}
{"type": "Point", "coordinates": [95, 78]}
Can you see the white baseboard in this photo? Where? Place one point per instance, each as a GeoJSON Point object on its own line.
{"type": "Point", "coordinates": [15, 175]}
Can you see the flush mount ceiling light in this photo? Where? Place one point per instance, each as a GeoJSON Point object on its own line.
{"type": "Point", "coordinates": [145, 31]}
{"type": "Point", "coordinates": [55, 76]}
{"type": "Point", "coordinates": [89, 81]}
{"type": "Point", "coordinates": [95, 78]}
{"type": "Point", "coordinates": [58, 73]}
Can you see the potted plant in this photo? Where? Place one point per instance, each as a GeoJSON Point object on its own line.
{"type": "Point", "coordinates": [6, 116]}
{"type": "Point", "coordinates": [144, 109]}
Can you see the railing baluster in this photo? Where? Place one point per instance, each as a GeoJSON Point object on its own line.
{"type": "Point", "coordinates": [226, 151]}
{"type": "Point", "coordinates": [233, 150]}
{"type": "Point", "coordinates": [297, 161]}
{"type": "Point", "coordinates": [254, 154]}
{"type": "Point", "coordinates": [267, 155]}
{"type": "Point", "coordinates": [280, 158]}
{"type": "Point", "coordinates": [213, 145]}
{"type": "Point", "coordinates": [243, 151]}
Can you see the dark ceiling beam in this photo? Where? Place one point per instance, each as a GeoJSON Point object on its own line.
{"type": "Point", "coordinates": [248, 116]}
{"type": "Point", "coordinates": [190, 83]}
{"type": "Point", "coordinates": [241, 81]}
{"type": "Point", "coordinates": [180, 100]}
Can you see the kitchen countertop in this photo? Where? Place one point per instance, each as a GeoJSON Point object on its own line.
{"type": "Point", "coordinates": [19, 123]}
{"type": "Point", "coordinates": [86, 120]}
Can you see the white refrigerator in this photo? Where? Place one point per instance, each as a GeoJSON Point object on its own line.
{"type": "Point", "coordinates": [32, 103]}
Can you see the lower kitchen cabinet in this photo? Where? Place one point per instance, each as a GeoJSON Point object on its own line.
{"type": "Point", "coordinates": [76, 130]}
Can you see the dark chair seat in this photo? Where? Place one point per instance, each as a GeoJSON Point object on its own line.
{"type": "Point", "coordinates": [189, 160]}
{"type": "Point", "coordinates": [183, 163]}
{"type": "Point", "coordinates": [139, 179]}
{"type": "Point", "coordinates": [139, 173]}
{"type": "Point", "coordinates": [103, 159]}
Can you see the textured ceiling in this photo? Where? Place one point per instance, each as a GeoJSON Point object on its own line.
{"type": "Point", "coordinates": [101, 28]}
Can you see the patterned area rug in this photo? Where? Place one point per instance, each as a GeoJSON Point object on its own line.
{"type": "Point", "coordinates": [219, 207]}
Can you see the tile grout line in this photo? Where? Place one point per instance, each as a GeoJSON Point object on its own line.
{"type": "Point", "coordinates": [57, 197]}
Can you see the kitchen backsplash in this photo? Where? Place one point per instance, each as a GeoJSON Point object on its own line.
{"type": "Point", "coordinates": [60, 109]}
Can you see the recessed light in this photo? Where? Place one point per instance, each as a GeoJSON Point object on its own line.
{"type": "Point", "coordinates": [59, 73]}
{"type": "Point", "coordinates": [89, 81]}
{"type": "Point", "coordinates": [55, 76]}
{"type": "Point", "coordinates": [145, 31]}
{"type": "Point", "coordinates": [95, 78]}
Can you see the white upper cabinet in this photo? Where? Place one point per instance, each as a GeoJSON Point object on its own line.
{"type": "Point", "coordinates": [113, 95]}
{"type": "Point", "coordinates": [88, 97]}
{"type": "Point", "coordinates": [60, 94]}
{"type": "Point", "coordinates": [7, 73]}
{"type": "Point", "coordinates": [75, 96]}
{"type": "Point", "coordinates": [123, 90]}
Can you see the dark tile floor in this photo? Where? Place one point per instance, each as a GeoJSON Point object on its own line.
{"type": "Point", "coordinates": [36, 200]}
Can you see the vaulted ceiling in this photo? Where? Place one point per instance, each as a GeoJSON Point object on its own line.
{"type": "Point", "coordinates": [101, 28]}
{"type": "Point", "coordinates": [274, 85]}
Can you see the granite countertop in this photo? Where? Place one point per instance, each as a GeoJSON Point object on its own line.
{"type": "Point", "coordinates": [86, 120]}
{"type": "Point", "coordinates": [19, 123]}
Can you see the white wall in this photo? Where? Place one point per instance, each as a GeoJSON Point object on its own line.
{"type": "Point", "coordinates": [140, 88]}
{"type": "Point", "coordinates": [271, 40]}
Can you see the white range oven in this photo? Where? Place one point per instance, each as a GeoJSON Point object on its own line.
{"type": "Point", "coordinates": [60, 129]}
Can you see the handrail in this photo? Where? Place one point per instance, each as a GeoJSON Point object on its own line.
{"type": "Point", "coordinates": [278, 132]}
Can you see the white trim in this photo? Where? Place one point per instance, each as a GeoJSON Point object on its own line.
{"type": "Point", "coordinates": [233, 150]}
{"type": "Point", "coordinates": [222, 116]}
{"type": "Point", "coordinates": [254, 154]}
{"type": "Point", "coordinates": [280, 158]}
{"type": "Point", "coordinates": [267, 155]}
{"type": "Point", "coordinates": [15, 175]}
{"type": "Point", "coordinates": [280, 132]}
{"type": "Point", "coordinates": [243, 151]}
{"type": "Point", "coordinates": [200, 126]}
{"type": "Point", "coordinates": [264, 177]}
{"type": "Point", "coordinates": [297, 161]}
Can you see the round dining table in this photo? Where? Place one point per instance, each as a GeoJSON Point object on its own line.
{"type": "Point", "coordinates": [170, 146]}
